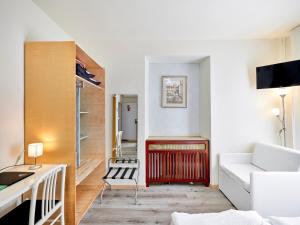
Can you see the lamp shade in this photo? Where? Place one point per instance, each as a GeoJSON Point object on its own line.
{"type": "Point", "coordinates": [35, 150]}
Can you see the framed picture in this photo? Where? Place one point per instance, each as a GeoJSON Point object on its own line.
{"type": "Point", "coordinates": [174, 92]}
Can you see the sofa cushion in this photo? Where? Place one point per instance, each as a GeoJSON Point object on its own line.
{"type": "Point", "coordinates": [276, 158]}
{"type": "Point", "coordinates": [240, 173]}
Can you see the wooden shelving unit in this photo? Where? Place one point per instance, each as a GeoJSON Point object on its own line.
{"type": "Point", "coordinates": [87, 82]}
{"type": "Point", "coordinates": [83, 137]}
{"type": "Point", "coordinates": [88, 190]}
{"type": "Point", "coordinates": [50, 117]}
{"type": "Point", "coordinates": [86, 168]}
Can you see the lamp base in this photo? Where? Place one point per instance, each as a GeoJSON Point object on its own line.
{"type": "Point", "coordinates": [35, 167]}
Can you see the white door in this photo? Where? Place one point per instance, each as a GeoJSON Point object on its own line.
{"type": "Point", "coordinates": [129, 121]}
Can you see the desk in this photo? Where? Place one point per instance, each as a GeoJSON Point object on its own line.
{"type": "Point", "coordinates": [14, 191]}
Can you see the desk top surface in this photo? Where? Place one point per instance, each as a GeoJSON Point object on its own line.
{"type": "Point", "coordinates": [12, 192]}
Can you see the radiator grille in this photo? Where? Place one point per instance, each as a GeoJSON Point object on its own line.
{"type": "Point", "coordinates": [180, 165]}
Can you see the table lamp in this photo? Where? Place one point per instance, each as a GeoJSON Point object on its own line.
{"type": "Point", "coordinates": [35, 150]}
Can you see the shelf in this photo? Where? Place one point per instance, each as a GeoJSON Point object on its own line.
{"type": "Point", "coordinates": [84, 112]}
{"type": "Point", "coordinates": [87, 166]}
{"type": "Point", "coordinates": [89, 83]}
{"type": "Point", "coordinates": [88, 189]}
{"type": "Point", "coordinates": [83, 137]}
{"type": "Point", "coordinates": [85, 196]}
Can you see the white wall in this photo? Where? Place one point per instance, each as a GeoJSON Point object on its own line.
{"type": "Point", "coordinates": [19, 21]}
{"type": "Point", "coordinates": [295, 54]}
{"type": "Point", "coordinates": [205, 106]}
{"type": "Point", "coordinates": [240, 114]}
{"type": "Point", "coordinates": [174, 121]}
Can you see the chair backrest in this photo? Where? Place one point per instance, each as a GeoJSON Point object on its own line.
{"type": "Point", "coordinates": [276, 158]}
{"type": "Point", "coordinates": [50, 188]}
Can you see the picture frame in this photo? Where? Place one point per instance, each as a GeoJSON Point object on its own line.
{"type": "Point", "coordinates": [174, 92]}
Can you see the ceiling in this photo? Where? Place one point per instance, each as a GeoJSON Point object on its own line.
{"type": "Point", "coordinates": [173, 19]}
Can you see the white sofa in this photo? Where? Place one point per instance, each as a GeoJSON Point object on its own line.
{"type": "Point", "coordinates": [267, 180]}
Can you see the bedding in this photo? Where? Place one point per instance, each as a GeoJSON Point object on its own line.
{"type": "Point", "coordinates": [229, 217]}
{"type": "Point", "coordinates": [284, 220]}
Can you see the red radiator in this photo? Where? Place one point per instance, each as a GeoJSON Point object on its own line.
{"type": "Point", "coordinates": [177, 161]}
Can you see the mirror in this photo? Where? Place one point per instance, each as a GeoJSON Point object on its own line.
{"type": "Point", "coordinates": [125, 126]}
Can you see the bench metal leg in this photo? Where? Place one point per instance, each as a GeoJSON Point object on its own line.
{"type": "Point", "coordinates": [102, 192]}
{"type": "Point", "coordinates": [136, 191]}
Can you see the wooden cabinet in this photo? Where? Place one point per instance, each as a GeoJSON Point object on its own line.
{"type": "Point", "coordinates": [177, 159]}
{"type": "Point", "coordinates": [50, 118]}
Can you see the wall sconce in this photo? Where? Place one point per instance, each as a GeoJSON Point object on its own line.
{"type": "Point", "coordinates": [276, 112]}
{"type": "Point", "coordinates": [35, 150]}
{"type": "Point", "coordinates": [282, 92]}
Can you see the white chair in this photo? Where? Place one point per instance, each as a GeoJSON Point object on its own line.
{"type": "Point", "coordinates": [37, 212]}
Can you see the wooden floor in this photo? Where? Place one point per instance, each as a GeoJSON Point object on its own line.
{"type": "Point", "coordinates": [155, 205]}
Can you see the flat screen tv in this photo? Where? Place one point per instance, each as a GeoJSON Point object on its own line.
{"type": "Point", "coordinates": [278, 75]}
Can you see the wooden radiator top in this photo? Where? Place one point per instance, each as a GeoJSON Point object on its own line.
{"type": "Point", "coordinates": [173, 138]}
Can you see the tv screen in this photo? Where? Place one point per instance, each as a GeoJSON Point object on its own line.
{"type": "Point", "coordinates": [278, 75]}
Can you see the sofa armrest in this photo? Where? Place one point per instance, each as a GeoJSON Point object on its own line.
{"type": "Point", "coordinates": [225, 158]}
{"type": "Point", "coordinates": [275, 193]}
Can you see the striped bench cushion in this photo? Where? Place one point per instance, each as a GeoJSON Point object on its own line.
{"type": "Point", "coordinates": [126, 161]}
{"type": "Point", "coordinates": [121, 173]}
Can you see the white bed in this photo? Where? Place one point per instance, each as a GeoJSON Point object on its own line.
{"type": "Point", "coordinates": [230, 217]}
